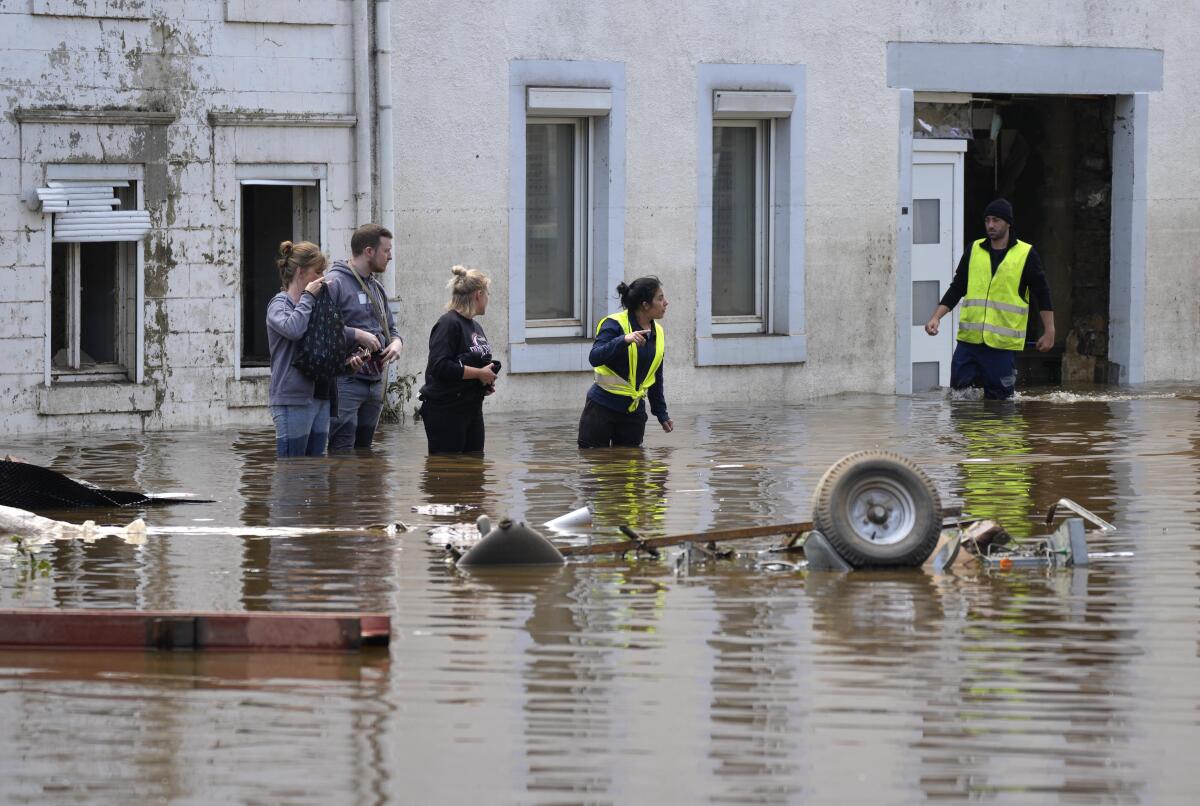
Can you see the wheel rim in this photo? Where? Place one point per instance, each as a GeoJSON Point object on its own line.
{"type": "Point", "coordinates": [881, 511]}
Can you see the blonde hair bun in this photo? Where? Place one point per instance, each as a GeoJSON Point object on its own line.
{"type": "Point", "coordinates": [463, 285]}
{"type": "Point", "coordinates": [285, 248]}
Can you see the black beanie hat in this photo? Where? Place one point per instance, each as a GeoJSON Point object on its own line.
{"type": "Point", "coordinates": [1000, 208]}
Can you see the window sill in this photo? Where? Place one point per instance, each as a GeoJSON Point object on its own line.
{"type": "Point", "coordinates": [550, 355]}
{"type": "Point", "coordinates": [95, 397]}
{"type": "Point", "coordinates": [249, 392]}
{"type": "Point", "coordinates": [751, 349]}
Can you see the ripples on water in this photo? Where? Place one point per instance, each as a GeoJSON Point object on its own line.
{"type": "Point", "coordinates": [623, 681]}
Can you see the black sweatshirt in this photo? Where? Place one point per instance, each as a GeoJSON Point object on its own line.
{"type": "Point", "coordinates": [1032, 276]}
{"type": "Point", "coordinates": [454, 342]}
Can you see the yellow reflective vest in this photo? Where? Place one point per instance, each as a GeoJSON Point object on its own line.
{"type": "Point", "coordinates": [611, 382]}
{"type": "Point", "coordinates": [993, 312]}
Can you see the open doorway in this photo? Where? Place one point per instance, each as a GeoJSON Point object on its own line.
{"type": "Point", "coordinates": [1052, 157]}
{"type": "Point", "coordinates": [273, 211]}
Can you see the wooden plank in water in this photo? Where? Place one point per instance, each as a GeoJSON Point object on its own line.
{"type": "Point", "coordinates": [159, 629]}
{"type": "Point", "coordinates": [715, 536]}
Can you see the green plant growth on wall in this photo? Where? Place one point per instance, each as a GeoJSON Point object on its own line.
{"type": "Point", "coordinates": [399, 391]}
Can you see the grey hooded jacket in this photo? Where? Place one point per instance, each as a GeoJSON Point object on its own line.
{"type": "Point", "coordinates": [358, 310]}
{"type": "Point", "coordinates": [287, 322]}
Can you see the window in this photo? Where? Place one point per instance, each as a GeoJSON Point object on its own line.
{"type": "Point", "coordinates": [927, 221]}
{"type": "Point", "coordinates": [273, 211]}
{"type": "Point", "coordinates": [95, 289]}
{"type": "Point", "coordinates": [741, 241]}
{"type": "Point", "coordinates": [566, 203]}
{"type": "Point", "coordinates": [750, 215]}
{"type": "Point", "coordinates": [93, 309]}
{"type": "Point", "coordinates": [556, 227]}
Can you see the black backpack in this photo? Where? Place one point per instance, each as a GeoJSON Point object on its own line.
{"type": "Point", "coordinates": [322, 352]}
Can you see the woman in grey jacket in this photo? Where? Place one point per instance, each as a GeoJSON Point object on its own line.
{"type": "Point", "coordinates": [298, 405]}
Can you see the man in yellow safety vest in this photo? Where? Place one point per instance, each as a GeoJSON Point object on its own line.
{"type": "Point", "coordinates": [994, 280]}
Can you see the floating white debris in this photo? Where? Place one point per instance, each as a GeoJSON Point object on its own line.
{"type": "Point", "coordinates": [454, 534]}
{"type": "Point", "coordinates": [573, 519]}
{"type": "Point", "coordinates": [442, 509]}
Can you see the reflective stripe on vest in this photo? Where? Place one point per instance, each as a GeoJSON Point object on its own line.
{"type": "Point", "coordinates": [613, 383]}
{"type": "Point", "coordinates": [993, 312]}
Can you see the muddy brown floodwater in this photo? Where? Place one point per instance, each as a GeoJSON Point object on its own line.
{"type": "Point", "coordinates": [632, 681]}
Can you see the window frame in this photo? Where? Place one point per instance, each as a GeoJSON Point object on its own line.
{"type": "Point", "coordinates": [775, 93]}
{"type": "Point", "coordinates": [594, 91]}
{"type": "Point", "coordinates": [110, 371]}
{"type": "Point", "coordinates": [764, 252]}
{"type": "Point", "coordinates": [293, 174]}
{"type": "Point", "coordinates": [579, 325]}
{"type": "Point", "coordinates": [134, 368]}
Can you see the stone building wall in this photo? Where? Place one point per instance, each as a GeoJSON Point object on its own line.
{"type": "Point", "coordinates": [178, 93]}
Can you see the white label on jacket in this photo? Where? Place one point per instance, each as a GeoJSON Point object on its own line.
{"type": "Point", "coordinates": [362, 298]}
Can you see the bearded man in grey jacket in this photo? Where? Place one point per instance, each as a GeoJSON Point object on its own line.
{"type": "Point", "coordinates": [362, 301]}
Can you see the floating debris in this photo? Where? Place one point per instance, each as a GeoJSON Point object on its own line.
{"type": "Point", "coordinates": [27, 486]}
{"type": "Point", "coordinates": [779, 566]}
{"type": "Point", "coordinates": [20, 523]}
{"type": "Point", "coordinates": [442, 509]}
{"type": "Point", "coordinates": [509, 543]}
{"type": "Point", "coordinates": [1083, 512]}
{"type": "Point", "coordinates": [461, 535]}
{"type": "Point", "coordinates": [574, 519]}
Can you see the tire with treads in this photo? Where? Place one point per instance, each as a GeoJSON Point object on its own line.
{"type": "Point", "coordinates": [878, 510]}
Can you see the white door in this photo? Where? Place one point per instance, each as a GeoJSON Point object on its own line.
{"type": "Point", "coordinates": [937, 225]}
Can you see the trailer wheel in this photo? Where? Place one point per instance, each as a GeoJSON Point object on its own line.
{"type": "Point", "coordinates": [878, 510]}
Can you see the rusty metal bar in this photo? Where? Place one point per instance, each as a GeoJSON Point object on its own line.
{"type": "Point", "coordinates": [621, 546]}
{"type": "Point", "coordinates": [716, 536]}
{"type": "Point", "coordinates": [155, 629]}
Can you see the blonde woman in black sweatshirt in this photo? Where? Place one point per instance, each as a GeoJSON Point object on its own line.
{"type": "Point", "coordinates": [460, 371]}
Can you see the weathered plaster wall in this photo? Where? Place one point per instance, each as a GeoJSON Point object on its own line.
{"type": "Point", "coordinates": [451, 146]}
{"type": "Point", "coordinates": [190, 59]}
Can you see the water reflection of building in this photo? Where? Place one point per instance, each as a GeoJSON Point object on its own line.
{"type": "Point", "coordinates": [1083, 437]}
{"type": "Point", "coordinates": [757, 688]}
{"type": "Point", "coordinates": [997, 478]}
{"type": "Point", "coordinates": [350, 570]}
{"type": "Point", "coordinates": [753, 467]}
{"type": "Point", "coordinates": [625, 487]}
{"type": "Point", "coordinates": [1030, 687]}
{"type": "Point", "coordinates": [1013, 455]}
{"type": "Point", "coordinates": [458, 479]}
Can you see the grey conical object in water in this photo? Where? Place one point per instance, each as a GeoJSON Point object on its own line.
{"type": "Point", "coordinates": [511, 544]}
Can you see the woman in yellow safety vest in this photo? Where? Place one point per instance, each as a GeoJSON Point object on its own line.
{"type": "Point", "coordinates": [628, 358]}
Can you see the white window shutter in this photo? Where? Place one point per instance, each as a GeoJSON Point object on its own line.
{"type": "Point", "coordinates": [736, 104]}
{"type": "Point", "coordinates": [84, 211]}
{"type": "Point", "coordinates": [567, 102]}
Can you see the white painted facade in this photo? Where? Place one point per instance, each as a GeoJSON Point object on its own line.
{"type": "Point", "coordinates": [195, 85]}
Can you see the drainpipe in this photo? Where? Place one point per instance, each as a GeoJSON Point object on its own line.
{"type": "Point", "coordinates": [362, 111]}
{"type": "Point", "coordinates": [383, 103]}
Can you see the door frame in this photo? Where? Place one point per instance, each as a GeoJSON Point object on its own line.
{"type": "Point", "coordinates": [1128, 74]}
{"type": "Point", "coordinates": [953, 153]}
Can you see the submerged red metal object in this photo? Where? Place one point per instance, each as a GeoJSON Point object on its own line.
{"type": "Point", "coordinates": [159, 629]}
